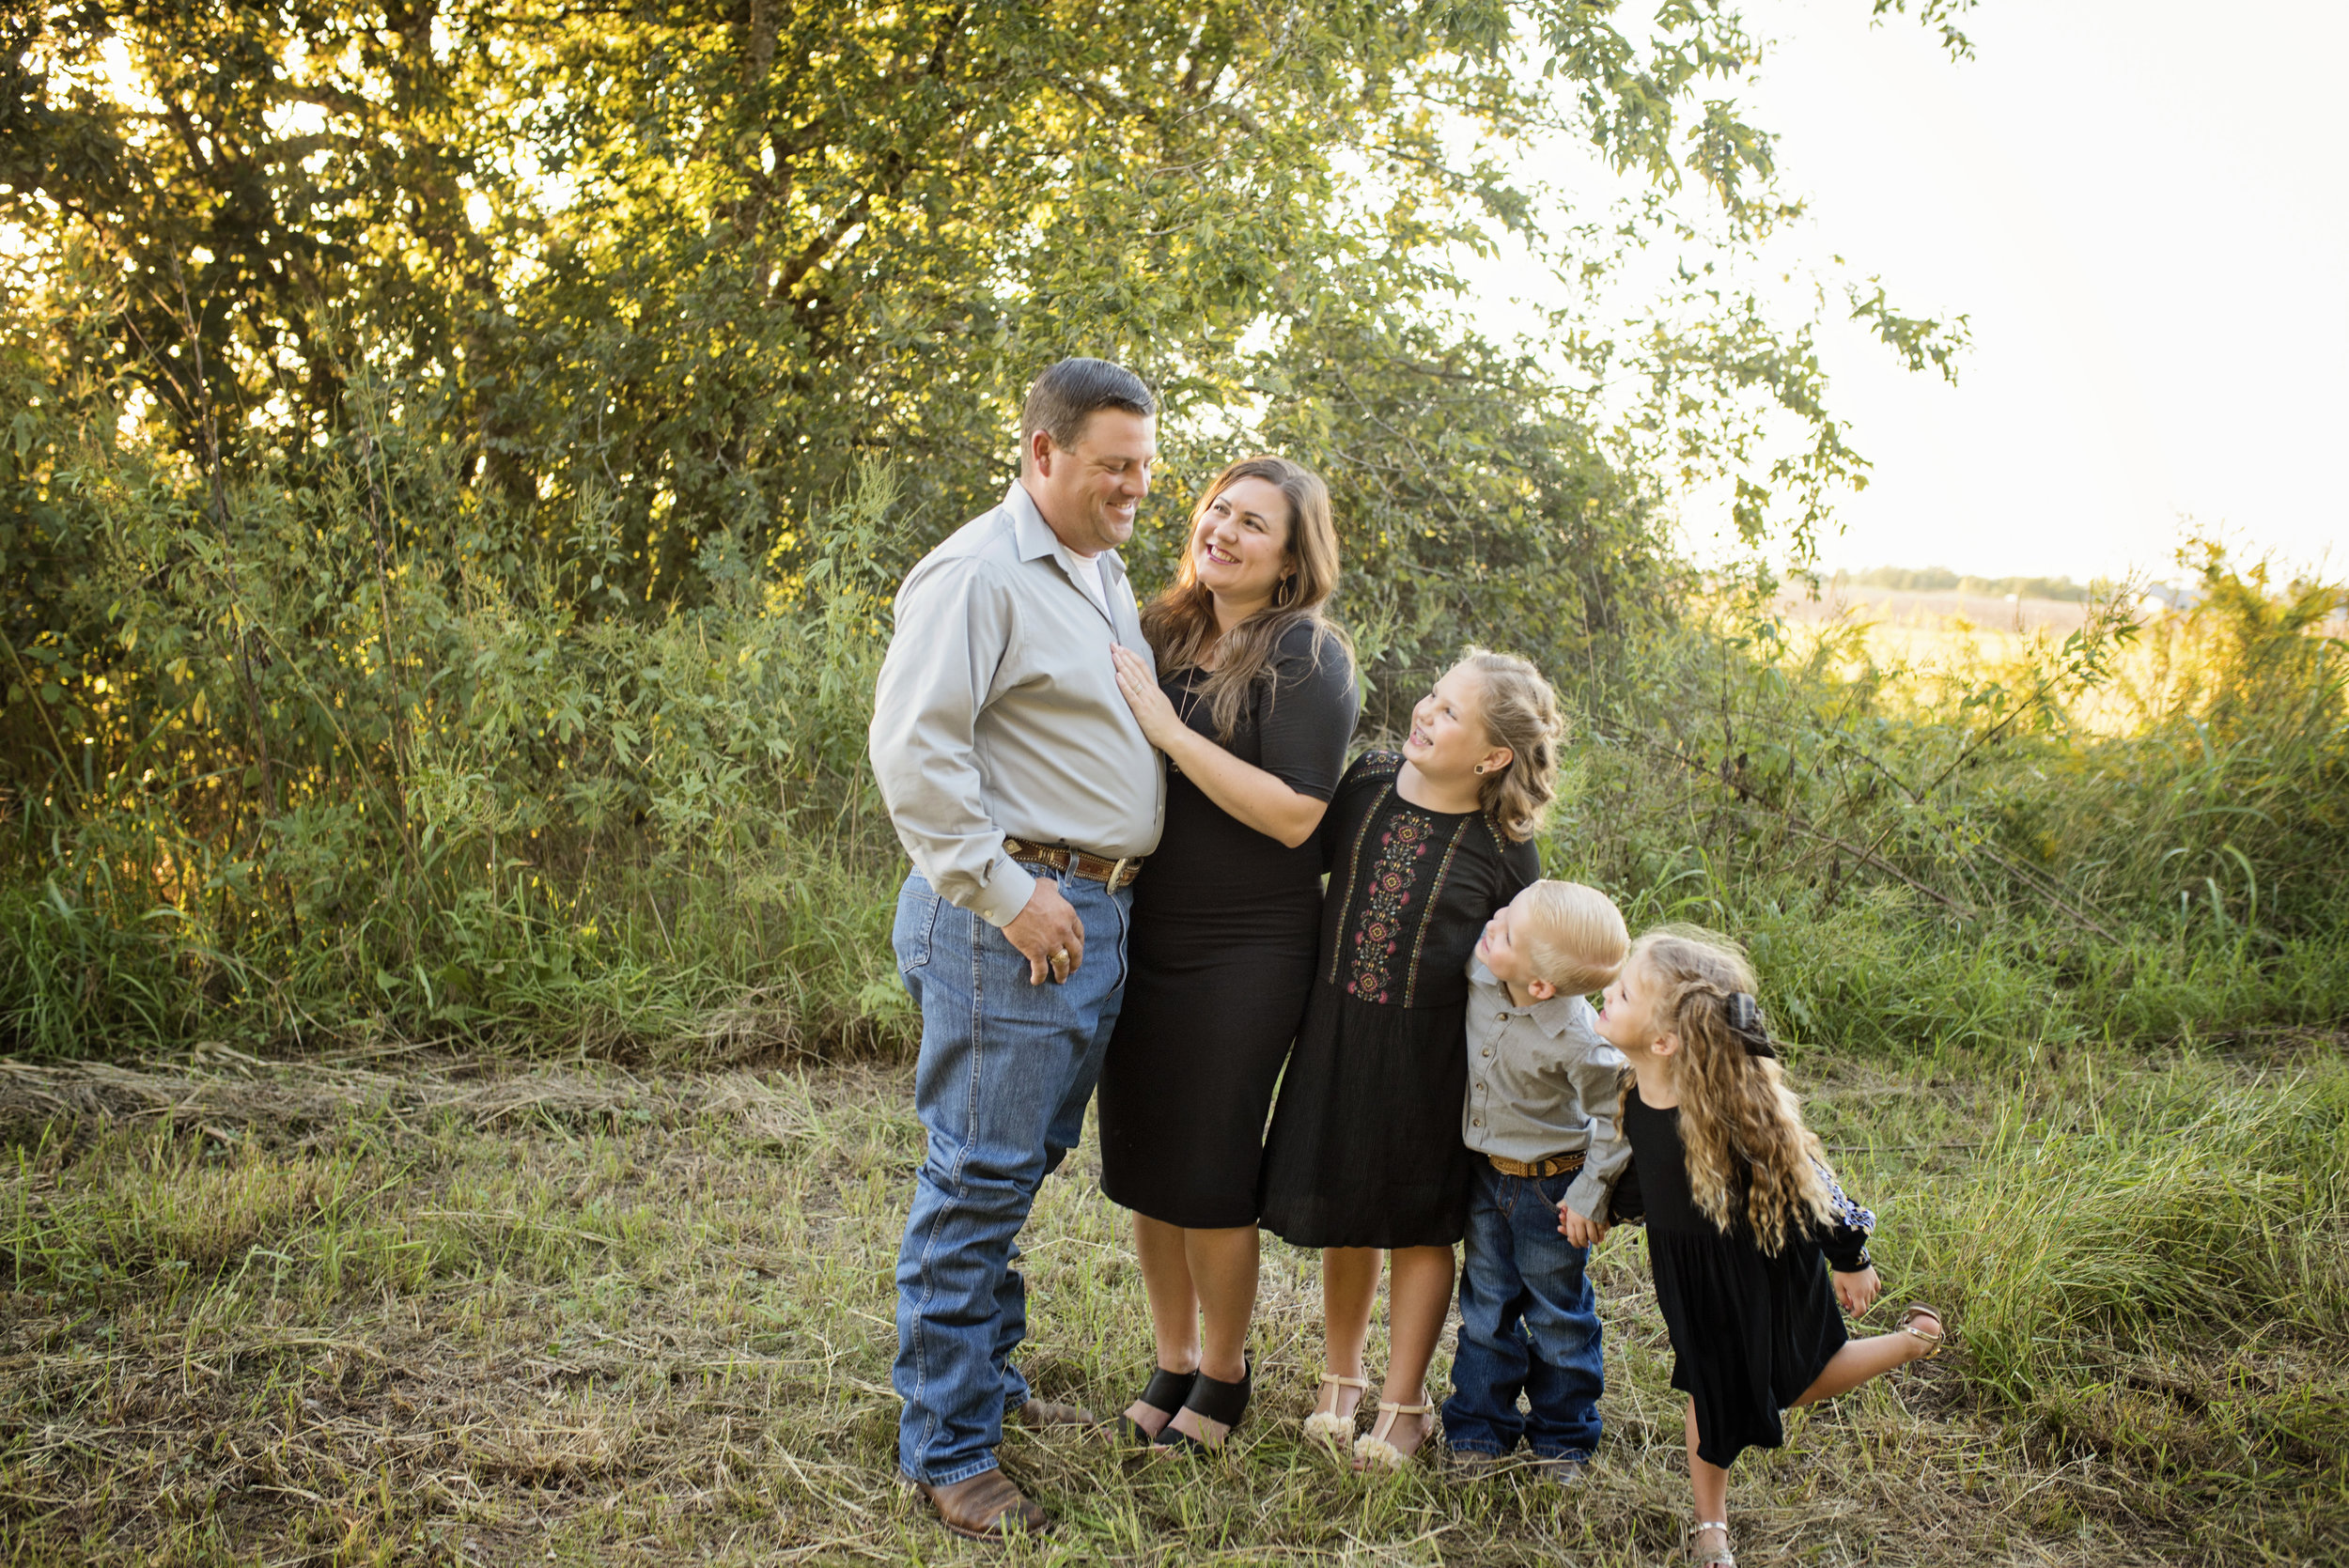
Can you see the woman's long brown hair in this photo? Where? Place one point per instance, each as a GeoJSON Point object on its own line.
{"type": "Point", "coordinates": [1741, 1125]}
{"type": "Point", "coordinates": [1180, 622]}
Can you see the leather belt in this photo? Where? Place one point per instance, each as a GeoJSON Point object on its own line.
{"type": "Point", "coordinates": [1093, 868]}
{"type": "Point", "coordinates": [1557, 1165]}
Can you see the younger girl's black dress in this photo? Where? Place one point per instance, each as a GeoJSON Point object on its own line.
{"type": "Point", "coordinates": [1365, 1147]}
{"type": "Point", "coordinates": [1749, 1332]}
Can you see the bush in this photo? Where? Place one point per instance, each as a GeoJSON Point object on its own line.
{"type": "Point", "coordinates": [272, 780]}
{"type": "Point", "coordinates": [340, 747]}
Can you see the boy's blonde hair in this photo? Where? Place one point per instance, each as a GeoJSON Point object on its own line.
{"type": "Point", "coordinates": [1575, 936]}
{"type": "Point", "coordinates": [1518, 710]}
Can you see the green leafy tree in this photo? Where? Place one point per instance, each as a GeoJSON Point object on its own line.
{"type": "Point", "coordinates": [460, 449]}
{"type": "Point", "coordinates": [695, 271]}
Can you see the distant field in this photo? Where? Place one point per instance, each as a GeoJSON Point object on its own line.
{"type": "Point", "coordinates": [1946, 631]}
{"type": "Point", "coordinates": [1903, 609]}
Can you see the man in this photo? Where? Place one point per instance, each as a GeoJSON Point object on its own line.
{"type": "Point", "coordinates": [1026, 795]}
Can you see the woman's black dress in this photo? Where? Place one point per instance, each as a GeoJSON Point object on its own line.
{"type": "Point", "coordinates": [1749, 1332]}
{"type": "Point", "coordinates": [1222, 955]}
{"type": "Point", "coordinates": [1365, 1147]}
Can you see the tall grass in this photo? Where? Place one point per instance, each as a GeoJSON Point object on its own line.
{"type": "Point", "coordinates": [1924, 861]}
{"type": "Point", "coordinates": [2184, 1205]}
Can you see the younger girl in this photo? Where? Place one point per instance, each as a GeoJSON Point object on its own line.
{"type": "Point", "coordinates": [1744, 1218]}
{"type": "Point", "coordinates": [1365, 1152]}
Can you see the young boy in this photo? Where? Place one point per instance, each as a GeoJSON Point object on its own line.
{"type": "Point", "coordinates": [1544, 1102]}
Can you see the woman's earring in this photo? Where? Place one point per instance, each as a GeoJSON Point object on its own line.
{"type": "Point", "coordinates": [1480, 768]}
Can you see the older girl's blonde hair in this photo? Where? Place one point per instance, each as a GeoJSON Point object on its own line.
{"type": "Point", "coordinates": [1518, 710]}
{"type": "Point", "coordinates": [1750, 1156]}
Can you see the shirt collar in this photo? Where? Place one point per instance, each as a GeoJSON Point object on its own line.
{"type": "Point", "coordinates": [1554, 1014]}
{"type": "Point", "coordinates": [1036, 539]}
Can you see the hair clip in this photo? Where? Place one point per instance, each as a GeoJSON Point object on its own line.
{"type": "Point", "coordinates": [1745, 1018]}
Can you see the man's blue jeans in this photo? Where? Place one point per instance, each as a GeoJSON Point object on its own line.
{"type": "Point", "coordinates": [1527, 1322]}
{"type": "Point", "coordinates": [1004, 1073]}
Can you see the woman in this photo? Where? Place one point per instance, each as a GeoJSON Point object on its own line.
{"type": "Point", "coordinates": [1253, 713]}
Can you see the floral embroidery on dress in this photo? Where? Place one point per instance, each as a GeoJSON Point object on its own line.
{"type": "Point", "coordinates": [1387, 902]}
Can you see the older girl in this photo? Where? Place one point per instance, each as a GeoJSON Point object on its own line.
{"type": "Point", "coordinates": [1745, 1220]}
{"type": "Point", "coordinates": [1364, 1153]}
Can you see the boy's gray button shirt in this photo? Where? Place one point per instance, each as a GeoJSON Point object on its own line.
{"type": "Point", "coordinates": [1541, 1083]}
{"type": "Point", "coordinates": [997, 712]}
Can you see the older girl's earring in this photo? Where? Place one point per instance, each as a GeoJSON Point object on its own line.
{"type": "Point", "coordinates": [1480, 768]}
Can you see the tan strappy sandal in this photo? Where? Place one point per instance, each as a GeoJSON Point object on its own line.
{"type": "Point", "coordinates": [1372, 1452]}
{"type": "Point", "coordinates": [1326, 1427]}
{"type": "Point", "coordinates": [1933, 1338]}
{"type": "Point", "coordinates": [1700, 1558]}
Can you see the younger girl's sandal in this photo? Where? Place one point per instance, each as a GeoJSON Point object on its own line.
{"type": "Point", "coordinates": [1933, 1338]}
{"type": "Point", "coordinates": [1328, 1428]}
{"type": "Point", "coordinates": [1374, 1451]}
{"type": "Point", "coordinates": [1166, 1391]}
{"type": "Point", "coordinates": [1719, 1557]}
{"type": "Point", "coordinates": [1212, 1399]}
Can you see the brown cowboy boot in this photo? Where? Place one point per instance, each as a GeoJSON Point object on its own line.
{"type": "Point", "coordinates": [984, 1507]}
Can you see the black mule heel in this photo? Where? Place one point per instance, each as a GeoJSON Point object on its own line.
{"type": "Point", "coordinates": [1167, 1391]}
{"type": "Point", "coordinates": [1217, 1400]}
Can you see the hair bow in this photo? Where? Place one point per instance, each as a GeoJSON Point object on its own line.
{"type": "Point", "coordinates": [1745, 1018]}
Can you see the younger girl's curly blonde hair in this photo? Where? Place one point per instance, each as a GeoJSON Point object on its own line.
{"type": "Point", "coordinates": [1518, 710]}
{"type": "Point", "coordinates": [1750, 1156]}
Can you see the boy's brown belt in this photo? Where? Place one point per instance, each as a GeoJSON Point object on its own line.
{"type": "Point", "coordinates": [1556, 1165]}
{"type": "Point", "coordinates": [1093, 868]}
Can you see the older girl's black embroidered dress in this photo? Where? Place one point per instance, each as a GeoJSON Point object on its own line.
{"type": "Point", "coordinates": [1750, 1330]}
{"type": "Point", "coordinates": [1366, 1148]}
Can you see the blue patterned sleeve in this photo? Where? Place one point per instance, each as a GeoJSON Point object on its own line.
{"type": "Point", "coordinates": [1844, 1238]}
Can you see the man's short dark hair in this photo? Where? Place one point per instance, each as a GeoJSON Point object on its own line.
{"type": "Point", "coordinates": [1069, 393]}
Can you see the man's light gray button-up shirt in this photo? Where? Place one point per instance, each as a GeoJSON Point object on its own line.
{"type": "Point", "coordinates": [997, 712]}
{"type": "Point", "coordinates": [1541, 1083]}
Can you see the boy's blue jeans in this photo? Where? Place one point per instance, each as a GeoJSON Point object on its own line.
{"type": "Point", "coordinates": [1000, 1087]}
{"type": "Point", "coordinates": [1528, 1324]}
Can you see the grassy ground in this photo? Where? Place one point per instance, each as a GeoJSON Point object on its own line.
{"type": "Point", "coordinates": [395, 1308]}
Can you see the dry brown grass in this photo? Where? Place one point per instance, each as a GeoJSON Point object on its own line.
{"type": "Point", "coordinates": [469, 1314]}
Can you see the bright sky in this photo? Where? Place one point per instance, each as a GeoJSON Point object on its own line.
{"type": "Point", "coordinates": [2144, 207]}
